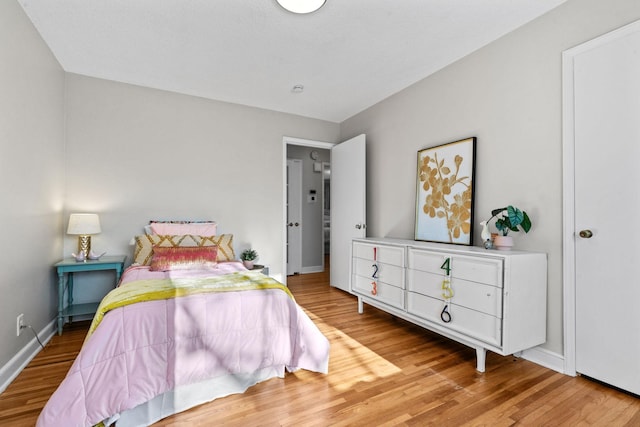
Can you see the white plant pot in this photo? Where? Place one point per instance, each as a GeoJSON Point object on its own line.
{"type": "Point", "coordinates": [503, 243]}
{"type": "Point", "coordinates": [248, 264]}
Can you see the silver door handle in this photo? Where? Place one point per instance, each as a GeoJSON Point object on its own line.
{"type": "Point", "coordinates": [585, 234]}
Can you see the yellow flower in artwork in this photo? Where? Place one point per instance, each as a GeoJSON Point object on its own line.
{"type": "Point", "coordinates": [431, 205]}
{"type": "Point", "coordinates": [427, 174]}
{"type": "Point", "coordinates": [460, 218]}
{"type": "Point", "coordinates": [441, 186]}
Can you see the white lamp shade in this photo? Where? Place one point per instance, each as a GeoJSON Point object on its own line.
{"type": "Point", "coordinates": [301, 6]}
{"type": "Point", "coordinates": [84, 224]}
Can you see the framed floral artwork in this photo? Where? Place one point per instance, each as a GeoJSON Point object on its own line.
{"type": "Point", "coordinates": [444, 196]}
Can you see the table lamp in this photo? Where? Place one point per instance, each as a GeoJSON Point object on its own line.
{"type": "Point", "coordinates": [84, 225]}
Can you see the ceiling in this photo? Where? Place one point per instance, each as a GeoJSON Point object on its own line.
{"type": "Point", "coordinates": [348, 55]}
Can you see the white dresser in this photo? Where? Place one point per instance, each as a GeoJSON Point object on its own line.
{"type": "Point", "coordinates": [486, 299]}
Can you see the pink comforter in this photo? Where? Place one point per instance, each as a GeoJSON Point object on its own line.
{"type": "Point", "coordinates": [142, 350]}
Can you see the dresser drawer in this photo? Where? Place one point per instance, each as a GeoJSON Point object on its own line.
{"type": "Point", "coordinates": [391, 255]}
{"type": "Point", "coordinates": [475, 269]}
{"type": "Point", "coordinates": [387, 273]}
{"type": "Point", "coordinates": [476, 296]}
{"type": "Point", "coordinates": [388, 294]}
{"type": "Point", "coordinates": [481, 326]}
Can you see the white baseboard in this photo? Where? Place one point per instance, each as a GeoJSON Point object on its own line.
{"type": "Point", "coordinates": [312, 269]}
{"type": "Point", "coordinates": [12, 369]}
{"type": "Point", "coordinates": [544, 357]}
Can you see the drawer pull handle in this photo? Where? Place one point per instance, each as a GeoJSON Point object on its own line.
{"type": "Point", "coordinates": [375, 271]}
{"type": "Point", "coordinates": [445, 315]}
{"type": "Point", "coordinates": [374, 289]}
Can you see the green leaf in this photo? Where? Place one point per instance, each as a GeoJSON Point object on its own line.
{"type": "Point", "coordinates": [502, 226]}
{"type": "Point", "coordinates": [526, 222]}
{"type": "Point", "coordinates": [515, 217]}
{"type": "Point", "coordinates": [497, 211]}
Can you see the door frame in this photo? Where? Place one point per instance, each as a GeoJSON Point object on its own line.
{"type": "Point", "coordinates": [286, 141]}
{"type": "Point", "coordinates": [568, 190]}
{"type": "Point", "coordinates": [296, 202]}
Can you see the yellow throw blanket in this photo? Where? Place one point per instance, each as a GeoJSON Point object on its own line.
{"type": "Point", "coordinates": [157, 289]}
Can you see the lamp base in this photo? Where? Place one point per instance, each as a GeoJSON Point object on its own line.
{"type": "Point", "coordinates": [84, 245]}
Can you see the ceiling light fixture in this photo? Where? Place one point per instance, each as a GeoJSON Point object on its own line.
{"type": "Point", "coordinates": [301, 6]}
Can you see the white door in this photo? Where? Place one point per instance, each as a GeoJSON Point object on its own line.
{"type": "Point", "coordinates": [348, 206]}
{"type": "Point", "coordinates": [607, 201]}
{"type": "Point", "coordinates": [294, 216]}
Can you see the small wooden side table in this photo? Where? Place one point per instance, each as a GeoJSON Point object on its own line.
{"type": "Point", "coordinates": [67, 267]}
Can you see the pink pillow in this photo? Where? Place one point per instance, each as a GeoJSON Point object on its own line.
{"type": "Point", "coordinates": [206, 229]}
{"type": "Point", "coordinates": [184, 258]}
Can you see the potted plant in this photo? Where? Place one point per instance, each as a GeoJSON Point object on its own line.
{"type": "Point", "coordinates": [248, 256]}
{"type": "Point", "coordinates": [510, 218]}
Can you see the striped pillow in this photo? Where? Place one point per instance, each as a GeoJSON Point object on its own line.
{"type": "Point", "coordinates": [184, 258]}
{"type": "Point", "coordinates": [143, 251]}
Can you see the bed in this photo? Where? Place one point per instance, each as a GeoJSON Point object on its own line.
{"type": "Point", "coordinates": [187, 324]}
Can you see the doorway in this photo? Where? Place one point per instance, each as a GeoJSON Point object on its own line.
{"type": "Point", "coordinates": [314, 158]}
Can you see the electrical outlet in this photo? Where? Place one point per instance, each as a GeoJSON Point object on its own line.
{"type": "Point", "coordinates": [19, 324]}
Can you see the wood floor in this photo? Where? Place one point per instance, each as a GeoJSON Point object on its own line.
{"type": "Point", "coordinates": [383, 372]}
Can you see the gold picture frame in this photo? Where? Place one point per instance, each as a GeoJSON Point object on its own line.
{"type": "Point", "coordinates": [445, 190]}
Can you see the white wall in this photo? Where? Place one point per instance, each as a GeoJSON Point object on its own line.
{"type": "Point", "coordinates": [508, 95]}
{"type": "Point", "coordinates": [135, 154]}
{"type": "Point", "coordinates": [31, 182]}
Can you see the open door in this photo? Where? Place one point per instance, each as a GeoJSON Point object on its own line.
{"type": "Point", "coordinates": [348, 206]}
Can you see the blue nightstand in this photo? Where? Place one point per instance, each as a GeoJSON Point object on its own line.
{"type": "Point", "coordinates": [262, 268]}
{"type": "Point", "coordinates": [69, 266]}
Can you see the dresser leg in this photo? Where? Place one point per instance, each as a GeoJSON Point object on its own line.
{"type": "Point", "coordinates": [360, 306]}
{"type": "Point", "coordinates": [481, 358]}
